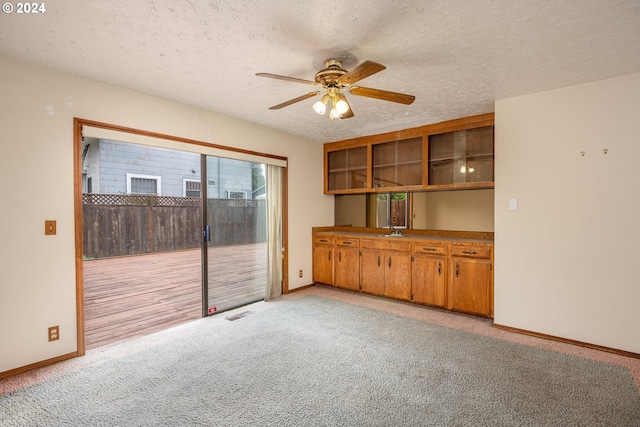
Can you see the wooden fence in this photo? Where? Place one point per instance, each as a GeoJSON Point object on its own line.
{"type": "Point", "coordinates": [117, 225]}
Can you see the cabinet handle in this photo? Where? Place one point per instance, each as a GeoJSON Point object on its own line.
{"type": "Point", "coordinates": [324, 240]}
{"type": "Point", "coordinates": [389, 262]}
{"type": "Point", "coordinates": [329, 254]}
{"type": "Point", "coordinates": [378, 260]}
{"type": "Point", "coordinates": [439, 268]}
{"type": "Point", "coordinates": [457, 269]}
{"type": "Point", "coordinates": [346, 243]}
{"type": "Point", "coordinates": [429, 249]}
{"type": "Point", "coordinates": [339, 256]}
{"type": "Point", "coordinates": [470, 252]}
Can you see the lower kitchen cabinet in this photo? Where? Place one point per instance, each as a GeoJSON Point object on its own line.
{"type": "Point", "coordinates": [323, 260]}
{"type": "Point", "coordinates": [457, 276]}
{"type": "Point", "coordinates": [429, 275]}
{"type": "Point", "coordinates": [372, 271]}
{"type": "Point", "coordinates": [397, 280]}
{"type": "Point", "coordinates": [385, 272]}
{"type": "Point", "coordinates": [347, 273]}
{"type": "Point", "coordinates": [470, 279]}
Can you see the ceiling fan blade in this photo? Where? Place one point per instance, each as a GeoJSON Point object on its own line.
{"type": "Point", "coordinates": [294, 100]}
{"type": "Point", "coordinates": [363, 70]}
{"type": "Point", "coordinates": [290, 79]}
{"type": "Point", "coordinates": [385, 95]}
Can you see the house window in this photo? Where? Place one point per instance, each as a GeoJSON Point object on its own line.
{"type": "Point", "coordinates": [143, 184]}
{"type": "Point", "coordinates": [190, 188]}
{"type": "Point", "coordinates": [236, 194]}
{"type": "Point", "coordinates": [90, 185]}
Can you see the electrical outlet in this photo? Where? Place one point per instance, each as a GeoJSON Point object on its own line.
{"type": "Point", "coordinates": [54, 333]}
{"type": "Point", "coordinates": [300, 273]}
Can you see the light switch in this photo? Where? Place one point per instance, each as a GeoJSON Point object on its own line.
{"type": "Point", "coordinates": [513, 204]}
{"type": "Point", "coordinates": [49, 228]}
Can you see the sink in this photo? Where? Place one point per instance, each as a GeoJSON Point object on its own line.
{"type": "Point", "coordinates": [392, 235]}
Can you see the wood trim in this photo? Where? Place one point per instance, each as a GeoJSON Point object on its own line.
{"type": "Point", "coordinates": [41, 364]}
{"type": "Point", "coordinates": [174, 138]}
{"type": "Point", "coordinates": [77, 214]}
{"type": "Point", "coordinates": [301, 288]}
{"type": "Point", "coordinates": [568, 341]}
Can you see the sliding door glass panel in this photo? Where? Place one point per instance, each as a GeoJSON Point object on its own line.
{"type": "Point", "coordinates": [236, 230]}
{"type": "Point", "coordinates": [141, 230]}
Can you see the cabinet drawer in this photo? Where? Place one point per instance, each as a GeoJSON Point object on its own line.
{"type": "Point", "coordinates": [354, 243]}
{"type": "Point", "coordinates": [323, 240]}
{"type": "Point", "coordinates": [428, 248]}
{"type": "Point", "coordinates": [386, 244]}
{"type": "Point", "coordinates": [471, 251]}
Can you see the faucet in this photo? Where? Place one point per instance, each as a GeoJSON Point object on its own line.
{"type": "Point", "coordinates": [393, 230]}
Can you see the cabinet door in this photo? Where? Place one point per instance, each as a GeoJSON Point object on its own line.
{"type": "Point", "coordinates": [428, 282]}
{"type": "Point", "coordinates": [462, 158]}
{"type": "Point", "coordinates": [397, 280]}
{"type": "Point", "coordinates": [372, 271]}
{"type": "Point", "coordinates": [323, 264]}
{"type": "Point", "coordinates": [347, 169]}
{"type": "Point", "coordinates": [469, 285]}
{"type": "Point", "coordinates": [347, 273]}
{"type": "Point", "coordinates": [397, 163]}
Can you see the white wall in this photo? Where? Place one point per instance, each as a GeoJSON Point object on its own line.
{"type": "Point", "coordinates": [566, 259]}
{"type": "Point", "coordinates": [37, 272]}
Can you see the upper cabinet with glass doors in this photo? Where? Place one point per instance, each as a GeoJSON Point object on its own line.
{"type": "Point", "coordinates": [456, 154]}
{"type": "Point", "coordinates": [462, 158]}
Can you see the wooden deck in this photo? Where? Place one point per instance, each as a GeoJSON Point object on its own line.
{"type": "Point", "coordinates": [133, 296]}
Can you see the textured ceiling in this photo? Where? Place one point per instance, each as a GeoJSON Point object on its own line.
{"type": "Point", "coordinates": [456, 57]}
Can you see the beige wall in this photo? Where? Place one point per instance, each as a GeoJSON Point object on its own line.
{"type": "Point", "coordinates": [37, 106]}
{"type": "Point", "coordinates": [351, 210]}
{"type": "Point", "coordinates": [566, 259]}
{"type": "Point", "coordinates": [468, 210]}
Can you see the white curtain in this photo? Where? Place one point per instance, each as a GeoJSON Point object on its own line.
{"type": "Point", "coordinates": [274, 232]}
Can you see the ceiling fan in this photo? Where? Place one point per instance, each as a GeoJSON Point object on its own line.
{"type": "Point", "coordinates": [333, 79]}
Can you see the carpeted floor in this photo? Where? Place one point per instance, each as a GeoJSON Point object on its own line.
{"type": "Point", "coordinates": [325, 357]}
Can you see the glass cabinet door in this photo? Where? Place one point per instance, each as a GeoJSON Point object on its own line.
{"type": "Point", "coordinates": [397, 163]}
{"type": "Point", "coordinates": [347, 169]}
{"type": "Point", "coordinates": [461, 157]}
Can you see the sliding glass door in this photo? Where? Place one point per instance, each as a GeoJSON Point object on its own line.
{"type": "Point", "coordinates": [235, 233]}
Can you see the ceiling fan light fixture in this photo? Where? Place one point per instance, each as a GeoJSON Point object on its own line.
{"type": "Point", "coordinates": [342, 106]}
{"type": "Point", "coordinates": [334, 114]}
{"type": "Point", "coordinates": [320, 107]}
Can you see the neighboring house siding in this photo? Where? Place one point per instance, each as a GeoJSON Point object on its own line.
{"type": "Point", "coordinates": [119, 159]}
{"type": "Point", "coordinates": [114, 160]}
{"type": "Point", "coordinates": [227, 175]}
{"type": "Point", "coordinates": [90, 163]}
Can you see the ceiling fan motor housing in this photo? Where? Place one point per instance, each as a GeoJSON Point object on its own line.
{"type": "Point", "coordinates": [330, 75]}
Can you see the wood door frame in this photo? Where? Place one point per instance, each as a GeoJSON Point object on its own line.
{"type": "Point", "coordinates": [78, 124]}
